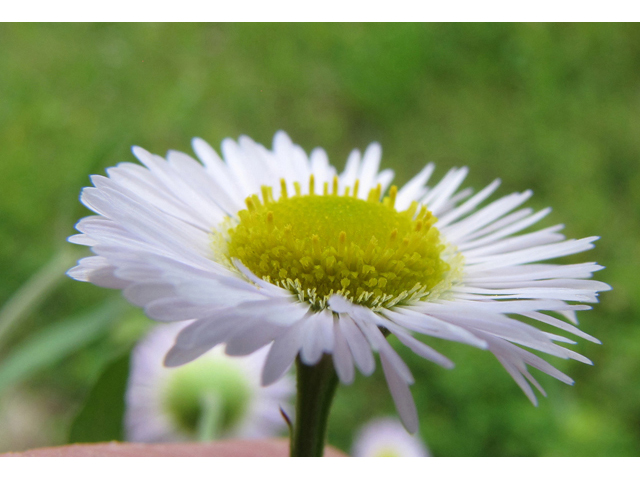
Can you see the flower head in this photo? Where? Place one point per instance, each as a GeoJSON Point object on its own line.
{"type": "Point", "coordinates": [386, 437]}
{"type": "Point", "coordinates": [275, 248]}
{"type": "Point", "coordinates": [212, 397]}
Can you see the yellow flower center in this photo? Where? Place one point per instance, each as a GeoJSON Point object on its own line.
{"type": "Point", "coordinates": [319, 244]}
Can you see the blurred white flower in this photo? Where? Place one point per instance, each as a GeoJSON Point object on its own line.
{"type": "Point", "coordinates": [386, 437]}
{"type": "Point", "coordinates": [215, 396]}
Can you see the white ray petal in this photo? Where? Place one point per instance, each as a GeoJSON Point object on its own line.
{"type": "Point", "coordinates": [414, 189]}
{"type": "Point", "coordinates": [218, 170]}
{"type": "Point", "coordinates": [315, 343]}
{"type": "Point", "coordinates": [461, 230]}
{"type": "Point", "coordinates": [208, 186]}
{"type": "Point", "coordinates": [141, 294]}
{"type": "Point", "coordinates": [360, 348]}
{"type": "Point", "coordinates": [238, 168]}
{"type": "Point", "coordinates": [440, 195]}
{"type": "Point", "coordinates": [97, 270]}
{"type": "Point", "coordinates": [501, 231]}
{"type": "Point", "coordinates": [342, 358]}
{"type": "Point", "coordinates": [533, 254]}
{"type": "Point", "coordinates": [429, 325]}
{"type": "Point", "coordinates": [282, 353]}
{"type": "Point", "coordinates": [351, 169]}
{"type": "Point", "coordinates": [536, 272]}
{"type": "Point", "coordinates": [251, 336]}
{"type": "Point", "coordinates": [369, 169]}
{"type": "Point", "coordinates": [180, 188]}
{"type": "Point", "coordinates": [320, 168]}
{"type": "Point", "coordinates": [469, 205]}
{"type": "Point", "coordinates": [401, 395]}
{"type": "Point", "coordinates": [384, 179]}
{"type": "Point", "coordinates": [418, 347]}
{"type": "Point", "coordinates": [549, 320]}
{"type": "Point", "coordinates": [198, 338]}
{"type": "Point", "coordinates": [541, 237]}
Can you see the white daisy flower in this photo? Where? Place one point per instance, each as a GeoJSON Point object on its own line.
{"type": "Point", "coordinates": [215, 396]}
{"type": "Point", "coordinates": [386, 437]}
{"type": "Point", "coordinates": [274, 247]}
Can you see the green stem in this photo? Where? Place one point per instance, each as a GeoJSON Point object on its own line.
{"type": "Point", "coordinates": [210, 417]}
{"type": "Point", "coordinates": [316, 387]}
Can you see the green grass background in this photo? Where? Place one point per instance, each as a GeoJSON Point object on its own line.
{"type": "Point", "coordinates": [555, 108]}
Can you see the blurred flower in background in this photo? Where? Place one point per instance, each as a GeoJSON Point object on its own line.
{"type": "Point", "coordinates": [386, 437]}
{"type": "Point", "coordinates": [215, 396]}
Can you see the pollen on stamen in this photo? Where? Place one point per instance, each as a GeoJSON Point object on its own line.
{"type": "Point", "coordinates": [393, 192]}
{"type": "Point", "coordinates": [266, 194]}
{"type": "Point", "coordinates": [283, 189]}
{"type": "Point", "coordinates": [374, 194]}
{"type": "Point", "coordinates": [317, 245]}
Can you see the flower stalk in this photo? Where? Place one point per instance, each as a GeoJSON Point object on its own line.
{"type": "Point", "coordinates": [316, 387]}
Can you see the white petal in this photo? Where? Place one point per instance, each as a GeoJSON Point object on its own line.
{"type": "Point", "coordinates": [368, 323]}
{"type": "Point", "coordinates": [567, 294]}
{"type": "Point", "coordinates": [548, 319]}
{"type": "Point", "coordinates": [541, 237]}
{"type": "Point", "coordinates": [218, 170]}
{"type": "Point", "coordinates": [238, 168]}
{"type": "Point", "coordinates": [348, 177]}
{"type": "Point", "coordinates": [318, 337]}
{"type": "Point", "coordinates": [360, 348]}
{"type": "Point", "coordinates": [469, 205]}
{"type": "Point", "coordinates": [145, 221]}
{"type": "Point", "coordinates": [522, 273]}
{"type": "Point", "coordinates": [492, 212]}
{"type": "Point", "coordinates": [342, 359]}
{"type": "Point", "coordinates": [382, 345]}
{"type": "Point", "coordinates": [534, 254]}
{"type": "Point", "coordinates": [503, 228]}
{"type": "Point", "coordinates": [321, 169]}
{"type": "Point", "coordinates": [141, 182]}
{"type": "Point", "coordinates": [98, 271]}
{"type": "Point", "coordinates": [437, 198]}
{"type": "Point", "coordinates": [401, 395]}
{"type": "Point", "coordinates": [179, 184]}
{"type": "Point", "coordinates": [207, 187]}
{"type": "Point", "coordinates": [282, 353]}
{"type": "Point", "coordinates": [253, 335]}
{"type": "Point", "coordinates": [141, 294]}
{"type": "Point", "coordinates": [369, 169]}
{"type": "Point", "coordinates": [429, 325]}
{"type": "Point", "coordinates": [414, 188]}
{"type": "Point", "coordinates": [384, 179]}
{"type": "Point", "coordinates": [196, 339]}
{"type": "Point", "coordinates": [420, 348]}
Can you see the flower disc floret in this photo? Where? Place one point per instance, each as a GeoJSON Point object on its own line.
{"type": "Point", "coordinates": [319, 245]}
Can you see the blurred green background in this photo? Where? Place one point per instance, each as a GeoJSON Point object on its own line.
{"type": "Point", "coordinates": [555, 108]}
